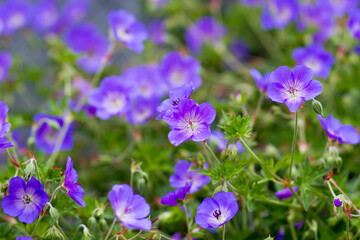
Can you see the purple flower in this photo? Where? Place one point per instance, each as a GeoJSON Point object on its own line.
{"type": "Point", "coordinates": [159, 3]}
{"type": "Point", "coordinates": [47, 132]}
{"type": "Point", "coordinates": [4, 143]}
{"type": "Point", "coordinates": [86, 40]}
{"type": "Point", "coordinates": [339, 8]}
{"type": "Point", "coordinates": [240, 49]}
{"type": "Point", "coordinates": [190, 121]}
{"type": "Point", "coordinates": [25, 200]}
{"type": "Point", "coordinates": [130, 209]}
{"type": "Point", "coordinates": [178, 70]}
{"type": "Point", "coordinates": [24, 238]}
{"type": "Point", "coordinates": [142, 110]}
{"type": "Point", "coordinates": [4, 126]}
{"type": "Point", "coordinates": [315, 57]}
{"type": "Point", "coordinates": [218, 138]}
{"type": "Point", "coordinates": [111, 99]}
{"type": "Point", "coordinates": [336, 131]}
{"type": "Point", "coordinates": [251, 3]}
{"type": "Point", "coordinates": [184, 175]}
{"type": "Point", "coordinates": [173, 198]}
{"type": "Point", "coordinates": [15, 15]}
{"type": "Point", "coordinates": [299, 224]}
{"type": "Point", "coordinates": [205, 30]}
{"type": "Point", "coordinates": [337, 202]}
{"type": "Point", "coordinates": [45, 15]}
{"type": "Point", "coordinates": [175, 96]}
{"type": "Point", "coordinates": [261, 81]}
{"type": "Point", "coordinates": [5, 63]}
{"type": "Point", "coordinates": [279, 13]}
{"type": "Point", "coordinates": [354, 24]}
{"type": "Point", "coordinates": [293, 87]}
{"type": "Point", "coordinates": [127, 30]}
{"type": "Point", "coordinates": [215, 212]}
{"type": "Point", "coordinates": [73, 188]}
{"type": "Point", "coordinates": [285, 193]}
{"type": "Point", "coordinates": [281, 234]}
{"type": "Point", "coordinates": [157, 31]}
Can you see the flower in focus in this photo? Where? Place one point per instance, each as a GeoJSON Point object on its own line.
{"type": "Point", "coordinates": [47, 132]}
{"type": "Point", "coordinates": [337, 202]}
{"type": "Point", "coordinates": [24, 238]}
{"type": "Point", "coordinates": [173, 198]}
{"type": "Point", "coordinates": [315, 57]}
{"type": "Point", "coordinates": [179, 70]}
{"type": "Point", "coordinates": [205, 30]}
{"type": "Point", "coordinates": [5, 63]}
{"type": "Point", "coordinates": [279, 13]}
{"type": "Point", "coordinates": [354, 24]}
{"type": "Point", "coordinates": [4, 126]}
{"type": "Point", "coordinates": [217, 137]}
{"type": "Point", "coordinates": [157, 31]}
{"type": "Point", "coordinates": [285, 193]}
{"type": "Point", "coordinates": [184, 175]}
{"type": "Point", "coordinates": [25, 200]}
{"type": "Point", "coordinates": [130, 209]}
{"type": "Point", "coordinates": [261, 81]}
{"type": "Point", "coordinates": [336, 131]}
{"type": "Point", "coordinates": [215, 212]}
{"type": "Point", "coordinates": [190, 121]}
{"type": "Point", "coordinates": [45, 15]}
{"type": "Point", "coordinates": [15, 14]}
{"type": "Point", "coordinates": [73, 188]}
{"type": "Point", "coordinates": [128, 30]}
{"type": "Point", "coordinates": [175, 96]}
{"type": "Point", "coordinates": [293, 87]}
{"type": "Point", "coordinates": [111, 99]}
{"type": "Point", "coordinates": [86, 40]}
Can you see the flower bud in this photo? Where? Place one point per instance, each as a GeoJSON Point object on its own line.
{"type": "Point", "coordinates": [86, 234]}
{"type": "Point", "coordinates": [103, 224]}
{"type": "Point", "coordinates": [29, 170]}
{"type": "Point", "coordinates": [92, 222]}
{"type": "Point", "coordinates": [141, 185]}
{"type": "Point", "coordinates": [52, 233]}
{"type": "Point", "coordinates": [317, 107]}
{"type": "Point", "coordinates": [54, 213]}
{"type": "Point", "coordinates": [98, 212]}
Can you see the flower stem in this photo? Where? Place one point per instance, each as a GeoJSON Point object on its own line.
{"type": "Point", "coordinates": [332, 181]}
{"type": "Point", "coordinates": [212, 153]}
{"type": "Point", "coordinates": [111, 228]}
{"type": "Point", "coordinates": [62, 232]}
{"type": "Point", "coordinates": [294, 143]}
{"type": "Point", "coordinates": [135, 235]}
{"type": "Point", "coordinates": [347, 228]}
{"type": "Point", "coordinates": [258, 107]}
{"type": "Point", "coordinates": [224, 231]}
{"type": "Point", "coordinates": [187, 221]}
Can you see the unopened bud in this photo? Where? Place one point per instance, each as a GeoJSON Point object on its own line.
{"type": "Point", "coordinates": [218, 189]}
{"type": "Point", "coordinates": [54, 213]}
{"type": "Point", "coordinates": [103, 224]}
{"type": "Point", "coordinates": [317, 107]}
{"type": "Point", "coordinates": [92, 222]}
{"type": "Point", "coordinates": [29, 170]}
{"type": "Point", "coordinates": [86, 234]}
{"type": "Point", "coordinates": [141, 185]}
{"type": "Point", "coordinates": [52, 233]}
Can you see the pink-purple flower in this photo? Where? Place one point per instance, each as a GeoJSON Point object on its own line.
{"type": "Point", "coordinates": [14, 14]}
{"type": "Point", "coordinates": [354, 23]}
{"type": "Point", "coordinates": [175, 197]}
{"type": "Point", "coordinates": [215, 212]}
{"type": "Point", "coordinates": [24, 238]}
{"type": "Point", "coordinates": [293, 87]}
{"type": "Point", "coordinates": [279, 13]}
{"type": "Point", "coordinates": [261, 81]}
{"type": "Point", "coordinates": [25, 200]}
{"type": "Point", "coordinates": [131, 209]}
{"type": "Point", "coordinates": [337, 202]}
{"type": "Point", "coordinates": [286, 193]}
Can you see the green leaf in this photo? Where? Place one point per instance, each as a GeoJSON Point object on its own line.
{"type": "Point", "coordinates": [241, 184]}
{"type": "Point", "coordinates": [236, 127]}
{"type": "Point", "coordinates": [227, 171]}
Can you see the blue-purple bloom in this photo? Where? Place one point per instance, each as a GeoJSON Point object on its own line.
{"type": "Point", "coordinates": [4, 126]}
{"type": "Point", "coordinates": [25, 200]}
{"type": "Point", "coordinates": [337, 202]}
{"type": "Point", "coordinates": [130, 209]}
{"type": "Point", "coordinates": [279, 13]}
{"type": "Point", "coordinates": [47, 132]}
{"type": "Point", "coordinates": [45, 15]}
{"type": "Point", "coordinates": [128, 30]}
{"type": "Point", "coordinates": [24, 238]}
{"type": "Point", "coordinates": [215, 212]}
{"type": "Point", "coordinates": [190, 121]}
{"type": "Point", "coordinates": [15, 14]}
{"type": "Point", "coordinates": [286, 193]}
{"type": "Point", "coordinates": [337, 131]}
{"type": "Point", "coordinates": [293, 87]}
{"type": "Point", "coordinates": [87, 40]}
{"type": "Point", "coordinates": [73, 188]}
{"type": "Point", "coordinates": [261, 81]}
{"type": "Point", "coordinates": [184, 175]}
{"type": "Point", "coordinates": [157, 31]}
{"type": "Point", "coordinates": [178, 70]}
{"type": "Point", "coordinates": [5, 63]}
{"type": "Point", "coordinates": [217, 137]}
{"type": "Point", "coordinates": [240, 49]}
{"type": "Point", "coordinates": [315, 57]}
{"type": "Point", "coordinates": [354, 23]}
{"type": "Point", "coordinates": [339, 8]}
{"type": "Point", "coordinates": [142, 110]}
{"type": "Point", "coordinates": [159, 3]}
{"type": "Point", "coordinates": [205, 30]}
{"type": "Point", "coordinates": [173, 198]}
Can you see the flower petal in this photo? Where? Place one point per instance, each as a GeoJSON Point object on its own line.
{"type": "Point", "coordinates": [206, 113]}
{"type": "Point", "coordinates": [277, 93]}
{"type": "Point", "coordinates": [313, 89]}
{"type": "Point", "coordinates": [143, 224]}
{"type": "Point", "coordinates": [348, 134]}
{"type": "Point", "coordinates": [294, 103]}
{"type": "Point", "coordinates": [176, 137]}
{"type": "Point", "coordinates": [138, 208]}
{"type": "Point", "coordinates": [201, 133]}
{"type": "Point", "coordinates": [283, 75]}
{"type": "Point", "coordinates": [17, 187]}
{"type": "Point", "coordinates": [302, 76]}
{"type": "Point", "coordinates": [12, 206]}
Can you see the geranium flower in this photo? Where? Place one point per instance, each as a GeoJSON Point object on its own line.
{"type": "Point", "coordinates": [25, 200]}
{"type": "Point", "coordinates": [73, 188]}
{"type": "Point", "coordinates": [286, 193]}
{"type": "Point", "coordinates": [5, 63]}
{"type": "Point", "coordinates": [4, 126]}
{"type": "Point", "coordinates": [46, 15]}
{"type": "Point", "coordinates": [215, 212]}
{"type": "Point", "coordinates": [217, 137]}
{"type": "Point", "coordinates": [15, 14]}
{"type": "Point", "coordinates": [354, 23]}
{"type": "Point", "coordinates": [190, 121]}
{"type": "Point", "coordinates": [172, 198]}
{"type": "Point", "coordinates": [130, 209]}
{"type": "Point", "coordinates": [157, 31]}
{"type": "Point", "coordinates": [293, 87]}
{"type": "Point", "coordinates": [261, 81]}
{"type": "Point", "coordinates": [24, 238]}
{"type": "Point", "coordinates": [279, 13]}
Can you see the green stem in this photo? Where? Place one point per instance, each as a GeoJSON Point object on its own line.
{"type": "Point", "coordinates": [224, 231]}
{"type": "Point", "coordinates": [260, 161]}
{"type": "Point", "coordinates": [62, 232]}
{"type": "Point", "coordinates": [285, 204]}
{"type": "Point", "coordinates": [347, 228]}
{"type": "Point", "coordinates": [294, 143]}
{"type": "Point", "coordinates": [258, 107]}
{"type": "Point", "coordinates": [244, 214]}
{"type": "Point", "coordinates": [292, 230]}
{"type": "Point", "coordinates": [187, 221]}
{"type": "Point", "coordinates": [212, 153]}
{"type": "Point", "coordinates": [111, 228]}
{"type": "Point", "coordinates": [135, 235]}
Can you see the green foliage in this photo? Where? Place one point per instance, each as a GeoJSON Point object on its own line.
{"type": "Point", "coordinates": [219, 173]}
{"type": "Point", "coordinates": [236, 127]}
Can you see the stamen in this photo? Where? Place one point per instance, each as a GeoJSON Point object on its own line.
{"type": "Point", "coordinates": [217, 214]}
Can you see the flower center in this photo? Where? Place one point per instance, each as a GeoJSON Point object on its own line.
{"type": "Point", "coordinates": [293, 92]}
{"type": "Point", "coordinates": [26, 199]}
{"type": "Point", "coordinates": [217, 214]}
{"type": "Point", "coordinates": [191, 126]}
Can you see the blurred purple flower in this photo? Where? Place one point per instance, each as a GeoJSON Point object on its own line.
{"type": "Point", "coordinates": [340, 7]}
{"type": "Point", "coordinates": [281, 234]}
{"type": "Point", "coordinates": [175, 96]}
{"type": "Point", "coordinates": [24, 238]}
{"type": "Point", "coordinates": [142, 110]}
{"type": "Point", "coordinates": [336, 131]}
{"type": "Point", "coordinates": [337, 202]}
{"type": "Point", "coordinates": [45, 15]}
{"type": "Point", "coordinates": [261, 81]}
{"type": "Point", "coordinates": [251, 3]}
{"type": "Point", "coordinates": [217, 137]}
{"type": "Point", "coordinates": [128, 30]}
{"type": "Point", "coordinates": [215, 212]}
{"type": "Point", "coordinates": [157, 31]}
{"type": "Point", "coordinates": [111, 99]}
{"type": "Point", "coordinates": [130, 209]}
{"type": "Point", "coordinates": [47, 132]}
{"type": "Point", "coordinates": [4, 126]}
{"type": "Point", "coordinates": [285, 193]}
{"type": "Point", "coordinates": [205, 30]}
{"type": "Point", "coordinates": [190, 121]}
{"type": "Point", "coordinates": [83, 88]}
{"type": "Point", "coordinates": [315, 57]}
{"type": "Point", "coordinates": [20, 136]}
{"type": "Point", "coordinates": [25, 200]}
{"type": "Point", "coordinates": [179, 70]}
{"type": "Point", "coordinates": [86, 40]}
{"type": "Point", "coordinates": [299, 224]}
{"type": "Point", "coordinates": [293, 87]}
{"type": "Point", "coordinates": [4, 143]}
{"type": "Point", "coordinates": [279, 13]}
{"type": "Point", "coordinates": [240, 49]}
{"type": "Point", "coordinates": [15, 14]}
{"type": "Point", "coordinates": [73, 188]}
{"type": "Point", "coordinates": [173, 198]}
{"type": "Point", "coordinates": [354, 23]}
{"type": "Point", "coordinates": [5, 64]}
{"type": "Point", "coordinates": [357, 49]}
{"type": "Point", "coordinates": [159, 3]}
{"type": "Point", "coordinates": [184, 175]}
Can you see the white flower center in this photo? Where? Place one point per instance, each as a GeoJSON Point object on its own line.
{"type": "Point", "coordinates": [313, 63]}
{"type": "Point", "coordinates": [124, 34]}
{"type": "Point", "coordinates": [16, 20]}
{"type": "Point", "coordinates": [114, 103]}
